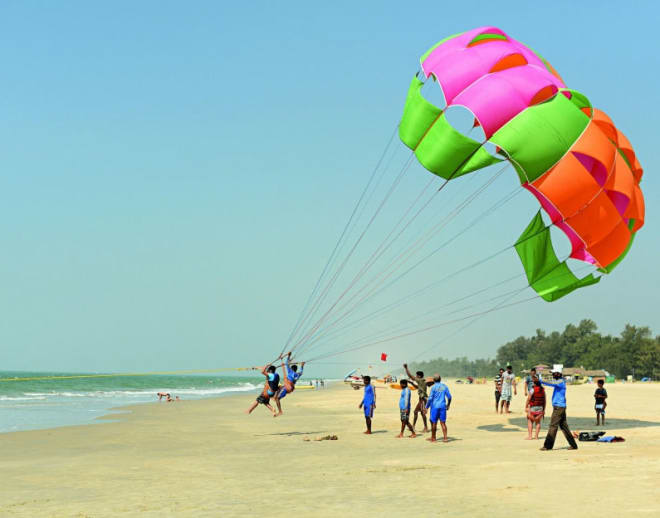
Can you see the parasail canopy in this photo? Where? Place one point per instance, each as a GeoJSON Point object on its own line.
{"type": "Point", "coordinates": [568, 155]}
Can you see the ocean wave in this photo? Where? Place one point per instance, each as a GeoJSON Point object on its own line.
{"type": "Point", "coordinates": [142, 393]}
{"type": "Point", "coordinates": [21, 398]}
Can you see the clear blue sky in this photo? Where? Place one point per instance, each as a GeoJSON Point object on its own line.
{"type": "Point", "coordinates": [174, 175]}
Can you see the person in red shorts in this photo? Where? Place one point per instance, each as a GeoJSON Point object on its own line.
{"type": "Point", "coordinates": [535, 408]}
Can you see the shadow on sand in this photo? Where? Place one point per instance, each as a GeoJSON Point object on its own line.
{"type": "Point", "coordinates": [289, 434]}
{"type": "Point", "coordinates": [575, 423]}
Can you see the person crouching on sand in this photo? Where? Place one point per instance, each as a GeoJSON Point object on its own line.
{"type": "Point", "coordinates": [404, 409]}
{"type": "Point", "coordinates": [535, 408]}
{"type": "Point", "coordinates": [271, 387]}
{"type": "Point", "coordinates": [439, 401]}
{"type": "Point", "coordinates": [368, 402]}
{"type": "Point", "coordinates": [291, 377]}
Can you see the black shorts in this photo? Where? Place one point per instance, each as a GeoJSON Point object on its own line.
{"type": "Point", "coordinates": [498, 395]}
{"type": "Point", "coordinates": [263, 399]}
{"type": "Point", "coordinates": [405, 415]}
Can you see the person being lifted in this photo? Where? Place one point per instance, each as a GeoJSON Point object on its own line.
{"type": "Point", "coordinates": [422, 391]}
{"type": "Point", "coordinates": [271, 387]}
{"type": "Point", "coordinates": [291, 377]}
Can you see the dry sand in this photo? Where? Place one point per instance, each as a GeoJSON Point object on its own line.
{"type": "Point", "coordinates": [207, 458]}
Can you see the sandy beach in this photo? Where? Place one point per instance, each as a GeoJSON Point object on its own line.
{"type": "Point", "coordinates": [207, 458]}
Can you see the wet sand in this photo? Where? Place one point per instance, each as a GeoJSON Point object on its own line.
{"type": "Point", "coordinates": [207, 458]}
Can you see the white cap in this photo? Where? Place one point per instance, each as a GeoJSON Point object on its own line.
{"type": "Point", "coordinates": [557, 367]}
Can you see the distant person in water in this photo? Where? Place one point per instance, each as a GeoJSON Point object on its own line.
{"type": "Point", "coordinates": [162, 395]}
{"type": "Point", "coordinates": [368, 402]}
{"type": "Point", "coordinates": [600, 396]}
{"type": "Point", "coordinates": [271, 387]}
{"type": "Point", "coordinates": [439, 402]}
{"type": "Point", "coordinates": [291, 377]}
{"type": "Point", "coordinates": [404, 410]}
{"type": "Point", "coordinates": [422, 393]}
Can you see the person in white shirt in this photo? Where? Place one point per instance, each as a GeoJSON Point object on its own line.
{"type": "Point", "coordinates": [508, 384]}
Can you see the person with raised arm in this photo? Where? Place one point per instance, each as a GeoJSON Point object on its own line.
{"type": "Point", "coordinates": [422, 393]}
{"type": "Point", "coordinates": [291, 377]}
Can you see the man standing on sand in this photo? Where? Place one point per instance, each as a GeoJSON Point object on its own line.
{"type": "Point", "coordinates": [439, 401]}
{"type": "Point", "coordinates": [558, 419]}
{"type": "Point", "coordinates": [291, 377]}
{"type": "Point", "coordinates": [498, 389]}
{"type": "Point", "coordinates": [508, 382]}
{"type": "Point", "coordinates": [422, 391]}
{"type": "Point", "coordinates": [529, 381]}
{"type": "Point", "coordinates": [368, 402]}
{"type": "Point", "coordinates": [404, 410]}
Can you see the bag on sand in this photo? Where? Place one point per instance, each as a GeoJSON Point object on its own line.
{"type": "Point", "coordinates": [590, 436]}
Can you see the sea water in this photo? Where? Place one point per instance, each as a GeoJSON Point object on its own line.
{"type": "Point", "coordinates": [39, 404]}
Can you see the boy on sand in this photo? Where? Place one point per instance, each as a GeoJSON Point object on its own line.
{"type": "Point", "coordinates": [291, 377]}
{"type": "Point", "coordinates": [404, 410]}
{"type": "Point", "coordinates": [600, 395]}
{"type": "Point", "coordinates": [498, 389]}
{"type": "Point", "coordinates": [439, 401]}
{"type": "Point", "coordinates": [368, 402]}
{"type": "Point", "coordinates": [271, 387]}
{"type": "Point", "coordinates": [420, 382]}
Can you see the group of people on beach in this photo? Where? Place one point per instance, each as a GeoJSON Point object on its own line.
{"type": "Point", "coordinates": [272, 388]}
{"type": "Point", "coordinates": [437, 401]}
{"type": "Point", "coordinates": [535, 403]}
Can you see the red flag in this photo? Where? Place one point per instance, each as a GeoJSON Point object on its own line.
{"type": "Point", "coordinates": [383, 357]}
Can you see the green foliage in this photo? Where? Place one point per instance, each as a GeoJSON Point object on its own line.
{"type": "Point", "coordinates": [635, 350]}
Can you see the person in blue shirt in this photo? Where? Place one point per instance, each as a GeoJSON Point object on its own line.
{"type": "Point", "coordinates": [291, 377]}
{"type": "Point", "coordinates": [558, 419]}
{"type": "Point", "coordinates": [271, 387]}
{"type": "Point", "coordinates": [368, 402]}
{"type": "Point", "coordinates": [404, 409]}
{"type": "Point", "coordinates": [439, 402]}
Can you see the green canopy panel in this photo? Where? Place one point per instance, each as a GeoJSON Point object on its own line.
{"type": "Point", "coordinates": [438, 146]}
{"type": "Point", "coordinates": [547, 275]}
{"type": "Point", "coordinates": [538, 137]}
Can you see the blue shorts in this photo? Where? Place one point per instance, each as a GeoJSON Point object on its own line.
{"type": "Point", "coordinates": [368, 410]}
{"type": "Point", "coordinates": [438, 413]}
{"type": "Point", "coordinates": [283, 393]}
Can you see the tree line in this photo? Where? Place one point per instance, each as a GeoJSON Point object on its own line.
{"type": "Point", "coordinates": [635, 351]}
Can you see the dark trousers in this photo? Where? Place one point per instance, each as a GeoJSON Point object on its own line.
{"type": "Point", "coordinates": [558, 420]}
